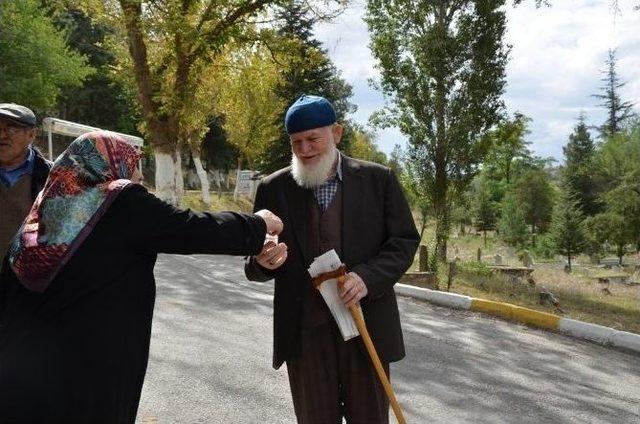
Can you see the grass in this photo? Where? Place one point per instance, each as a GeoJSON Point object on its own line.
{"type": "Point", "coordinates": [579, 297]}
{"type": "Point", "coordinates": [219, 202]}
{"type": "Point", "coordinates": [579, 294]}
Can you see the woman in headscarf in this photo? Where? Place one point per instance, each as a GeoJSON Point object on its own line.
{"type": "Point", "coordinates": [77, 289]}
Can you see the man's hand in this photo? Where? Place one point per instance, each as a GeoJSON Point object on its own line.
{"type": "Point", "coordinates": [274, 224]}
{"type": "Point", "coordinates": [352, 290]}
{"type": "Point", "coordinates": [272, 255]}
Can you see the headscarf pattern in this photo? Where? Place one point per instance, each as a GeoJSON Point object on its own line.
{"type": "Point", "coordinates": [82, 184]}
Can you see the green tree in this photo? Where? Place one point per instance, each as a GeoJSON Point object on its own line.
{"type": "Point", "coordinates": [416, 185]}
{"type": "Point", "coordinates": [100, 101]}
{"type": "Point", "coordinates": [567, 227]}
{"type": "Point", "coordinates": [617, 157]}
{"type": "Point", "coordinates": [305, 69]}
{"type": "Point", "coordinates": [35, 61]}
{"type": "Point", "coordinates": [508, 145]}
{"type": "Point", "coordinates": [171, 50]}
{"type": "Point", "coordinates": [618, 110]}
{"type": "Point", "coordinates": [611, 227]}
{"type": "Point", "coordinates": [484, 205]}
{"type": "Point", "coordinates": [216, 150]}
{"type": "Point", "coordinates": [396, 160]}
{"type": "Point", "coordinates": [248, 101]}
{"type": "Point", "coordinates": [618, 171]}
{"type": "Point", "coordinates": [624, 201]}
{"type": "Point", "coordinates": [512, 224]}
{"type": "Point", "coordinates": [536, 196]}
{"type": "Point", "coordinates": [442, 68]}
{"type": "Point", "coordinates": [578, 172]}
{"type": "Point", "coordinates": [363, 146]}
{"type": "Point", "coordinates": [462, 211]}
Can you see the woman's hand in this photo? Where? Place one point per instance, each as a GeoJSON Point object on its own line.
{"type": "Point", "coordinates": [274, 224]}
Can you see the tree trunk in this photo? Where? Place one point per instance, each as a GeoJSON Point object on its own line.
{"type": "Point", "coordinates": [423, 227]}
{"type": "Point", "coordinates": [569, 260]}
{"type": "Point", "coordinates": [235, 191]}
{"type": "Point", "coordinates": [485, 238]}
{"type": "Point", "coordinates": [162, 132]}
{"type": "Point", "coordinates": [202, 175]}
{"type": "Point", "coordinates": [620, 254]}
{"type": "Point", "coordinates": [169, 185]}
{"type": "Point", "coordinates": [177, 169]}
{"type": "Point", "coordinates": [441, 183]}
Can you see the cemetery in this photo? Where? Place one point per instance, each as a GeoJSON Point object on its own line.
{"type": "Point", "coordinates": [603, 293]}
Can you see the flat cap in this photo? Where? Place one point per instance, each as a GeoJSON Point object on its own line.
{"type": "Point", "coordinates": [309, 112]}
{"type": "Point", "coordinates": [19, 114]}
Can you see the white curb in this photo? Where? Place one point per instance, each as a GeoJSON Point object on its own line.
{"type": "Point", "coordinates": [578, 329]}
{"type": "Point", "coordinates": [440, 298]}
{"type": "Point", "coordinates": [584, 330]}
{"type": "Point", "coordinates": [626, 340]}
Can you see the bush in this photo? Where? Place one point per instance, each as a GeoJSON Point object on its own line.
{"type": "Point", "coordinates": [479, 269]}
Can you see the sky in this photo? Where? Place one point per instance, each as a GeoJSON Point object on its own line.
{"type": "Point", "coordinates": [555, 64]}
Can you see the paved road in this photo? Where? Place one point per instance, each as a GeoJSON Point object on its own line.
{"type": "Point", "coordinates": [210, 361]}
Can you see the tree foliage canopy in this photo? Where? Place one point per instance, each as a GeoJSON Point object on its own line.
{"type": "Point", "coordinates": [442, 67]}
{"type": "Point", "coordinates": [35, 61]}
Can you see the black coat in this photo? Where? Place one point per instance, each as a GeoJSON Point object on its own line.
{"type": "Point", "coordinates": [379, 241]}
{"type": "Point", "coordinates": [41, 168]}
{"type": "Point", "coordinates": [78, 352]}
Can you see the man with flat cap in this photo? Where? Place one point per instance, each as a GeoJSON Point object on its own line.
{"type": "Point", "coordinates": [330, 201]}
{"type": "Point", "coordinates": [23, 170]}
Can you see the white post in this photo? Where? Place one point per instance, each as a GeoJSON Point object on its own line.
{"type": "Point", "coordinates": [50, 140]}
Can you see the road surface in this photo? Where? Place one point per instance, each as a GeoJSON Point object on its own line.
{"type": "Point", "coordinates": [210, 361]}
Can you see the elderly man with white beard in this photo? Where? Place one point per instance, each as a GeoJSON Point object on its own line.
{"type": "Point", "coordinates": [330, 201]}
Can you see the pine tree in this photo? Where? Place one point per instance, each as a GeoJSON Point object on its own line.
{"type": "Point", "coordinates": [618, 111]}
{"type": "Point", "coordinates": [512, 224]}
{"type": "Point", "coordinates": [308, 71]}
{"type": "Point", "coordinates": [578, 172]}
{"type": "Point", "coordinates": [567, 227]}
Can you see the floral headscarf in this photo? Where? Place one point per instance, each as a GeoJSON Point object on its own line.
{"type": "Point", "coordinates": [82, 184]}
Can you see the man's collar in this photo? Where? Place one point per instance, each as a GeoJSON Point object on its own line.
{"type": "Point", "coordinates": [339, 166]}
{"type": "Point", "coordinates": [27, 164]}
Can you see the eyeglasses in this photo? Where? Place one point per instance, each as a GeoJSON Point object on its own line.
{"type": "Point", "coordinates": [12, 130]}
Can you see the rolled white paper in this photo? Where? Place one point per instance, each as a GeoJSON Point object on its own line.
{"type": "Point", "coordinates": [328, 262]}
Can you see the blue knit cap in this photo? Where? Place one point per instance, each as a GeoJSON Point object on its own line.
{"type": "Point", "coordinates": [309, 112]}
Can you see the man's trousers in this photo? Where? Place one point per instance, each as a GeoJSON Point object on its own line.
{"type": "Point", "coordinates": [331, 379]}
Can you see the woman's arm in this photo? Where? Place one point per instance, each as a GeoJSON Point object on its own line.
{"type": "Point", "coordinates": [162, 228]}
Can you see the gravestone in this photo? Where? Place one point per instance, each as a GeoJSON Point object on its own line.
{"type": "Point", "coordinates": [527, 259]}
{"type": "Point", "coordinates": [497, 259]}
{"type": "Point", "coordinates": [479, 254]}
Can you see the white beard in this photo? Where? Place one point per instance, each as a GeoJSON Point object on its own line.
{"type": "Point", "coordinates": [310, 176]}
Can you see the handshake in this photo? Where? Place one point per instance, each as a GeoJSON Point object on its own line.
{"type": "Point", "coordinates": [273, 254]}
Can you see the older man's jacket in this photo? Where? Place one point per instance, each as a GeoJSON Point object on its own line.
{"type": "Point", "coordinates": [41, 167]}
{"type": "Point", "coordinates": [379, 240]}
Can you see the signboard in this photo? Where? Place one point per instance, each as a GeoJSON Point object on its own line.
{"type": "Point", "coordinates": [246, 183]}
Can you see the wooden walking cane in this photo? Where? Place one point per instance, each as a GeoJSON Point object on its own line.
{"type": "Point", "coordinates": [356, 313]}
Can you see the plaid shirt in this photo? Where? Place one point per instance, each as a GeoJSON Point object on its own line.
{"type": "Point", "coordinates": [327, 191]}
